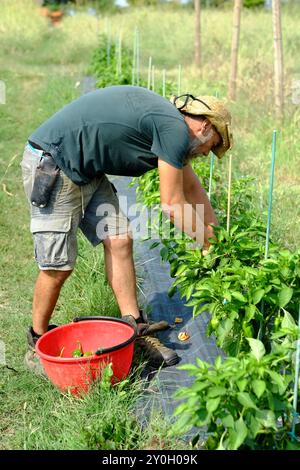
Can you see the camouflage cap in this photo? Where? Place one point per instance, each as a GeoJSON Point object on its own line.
{"type": "Point", "coordinates": [212, 108]}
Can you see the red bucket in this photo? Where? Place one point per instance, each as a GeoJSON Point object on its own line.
{"type": "Point", "coordinates": [111, 340]}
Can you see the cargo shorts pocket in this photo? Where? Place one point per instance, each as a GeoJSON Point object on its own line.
{"type": "Point", "coordinates": [52, 247]}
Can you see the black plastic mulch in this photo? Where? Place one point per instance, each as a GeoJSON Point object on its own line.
{"type": "Point", "coordinates": [160, 385]}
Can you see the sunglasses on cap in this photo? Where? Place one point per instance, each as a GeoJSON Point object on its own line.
{"type": "Point", "coordinates": [187, 98]}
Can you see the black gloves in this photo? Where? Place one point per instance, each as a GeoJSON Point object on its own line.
{"type": "Point", "coordinates": [145, 327]}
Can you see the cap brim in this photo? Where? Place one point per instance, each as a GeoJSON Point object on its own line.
{"type": "Point", "coordinates": [219, 151]}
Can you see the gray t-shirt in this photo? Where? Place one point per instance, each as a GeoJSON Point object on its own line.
{"type": "Point", "coordinates": [118, 130]}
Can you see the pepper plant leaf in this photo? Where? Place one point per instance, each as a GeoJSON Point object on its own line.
{"type": "Point", "coordinates": [245, 399]}
{"type": "Point", "coordinates": [257, 348]}
{"type": "Point", "coordinates": [284, 296]}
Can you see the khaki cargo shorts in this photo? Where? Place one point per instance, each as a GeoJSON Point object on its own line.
{"type": "Point", "coordinates": [94, 208]}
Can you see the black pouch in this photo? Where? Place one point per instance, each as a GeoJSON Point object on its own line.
{"type": "Point", "coordinates": [45, 176]}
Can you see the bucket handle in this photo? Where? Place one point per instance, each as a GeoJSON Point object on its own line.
{"type": "Point", "coordinates": [90, 317]}
{"type": "Point", "coordinates": [101, 351]}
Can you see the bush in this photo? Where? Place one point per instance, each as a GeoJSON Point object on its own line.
{"type": "Point", "coordinates": [104, 64]}
{"type": "Point", "coordinates": [253, 3]}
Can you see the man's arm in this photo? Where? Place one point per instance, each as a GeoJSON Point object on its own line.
{"type": "Point", "coordinates": [176, 206]}
{"type": "Point", "coordinates": [195, 194]}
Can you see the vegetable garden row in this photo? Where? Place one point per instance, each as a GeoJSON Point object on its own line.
{"type": "Point", "coordinates": [249, 399]}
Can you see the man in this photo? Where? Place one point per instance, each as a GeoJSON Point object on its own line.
{"type": "Point", "coordinates": [119, 130]}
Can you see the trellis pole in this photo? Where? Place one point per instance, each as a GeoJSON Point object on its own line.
{"type": "Point", "coordinates": [212, 162]}
{"type": "Point", "coordinates": [119, 55]}
{"type": "Point", "coordinates": [179, 80]}
{"type": "Point", "coordinates": [134, 59]}
{"type": "Point", "coordinates": [137, 57]}
{"type": "Point", "coordinates": [296, 381]}
{"type": "Point", "coordinates": [271, 193]}
{"type": "Point", "coordinates": [229, 192]}
{"type": "Point", "coordinates": [164, 83]}
{"type": "Point", "coordinates": [153, 78]}
{"type": "Point", "coordinates": [262, 309]}
{"type": "Point", "coordinates": [149, 73]}
{"type": "Point", "coordinates": [108, 43]}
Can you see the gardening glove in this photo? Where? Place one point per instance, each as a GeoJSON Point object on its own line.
{"type": "Point", "coordinates": [144, 327]}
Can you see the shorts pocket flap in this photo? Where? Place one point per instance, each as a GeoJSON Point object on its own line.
{"type": "Point", "coordinates": [51, 224]}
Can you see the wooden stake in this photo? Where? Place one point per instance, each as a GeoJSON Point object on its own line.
{"type": "Point", "coordinates": [149, 73]}
{"type": "Point", "coordinates": [153, 78]}
{"type": "Point", "coordinates": [229, 193]}
{"type": "Point", "coordinates": [197, 6]}
{"type": "Point", "coordinates": [270, 193]}
{"type": "Point", "coordinates": [137, 57]}
{"type": "Point", "coordinates": [234, 48]}
{"type": "Point", "coordinates": [278, 60]}
{"type": "Point", "coordinates": [134, 59]}
{"type": "Point", "coordinates": [179, 80]}
{"type": "Point", "coordinates": [164, 83]}
{"type": "Point", "coordinates": [120, 53]}
{"type": "Point", "coordinates": [212, 161]}
{"type": "Point", "coordinates": [108, 44]}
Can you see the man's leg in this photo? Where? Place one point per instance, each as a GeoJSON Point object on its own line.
{"type": "Point", "coordinates": [121, 273]}
{"type": "Point", "coordinates": [46, 293]}
{"type": "Point", "coordinates": [121, 276]}
{"type": "Point", "coordinates": [105, 222]}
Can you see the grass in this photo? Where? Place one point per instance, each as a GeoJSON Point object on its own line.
{"type": "Point", "coordinates": [41, 67]}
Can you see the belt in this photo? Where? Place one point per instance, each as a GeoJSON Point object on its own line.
{"type": "Point", "coordinates": [35, 146]}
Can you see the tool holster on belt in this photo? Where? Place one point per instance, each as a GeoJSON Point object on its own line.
{"type": "Point", "coordinates": [45, 176]}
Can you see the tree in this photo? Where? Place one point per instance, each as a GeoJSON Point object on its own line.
{"type": "Point", "coordinates": [235, 48]}
{"type": "Point", "coordinates": [278, 60]}
{"type": "Point", "coordinates": [197, 5]}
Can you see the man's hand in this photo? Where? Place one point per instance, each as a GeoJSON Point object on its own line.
{"type": "Point", "coordinates": [145, 328]}
{"type": "Point", "coordinates": [176, 207]}
{"type": "Point", "coordinates": [196, 194]}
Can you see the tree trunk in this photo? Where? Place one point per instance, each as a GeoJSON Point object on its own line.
{"type": "Point", "coordinates": [235, 48]}
{"type": "Point", "coordinates": [197, 4]}
{"type": "Point", "coordinates": [278, 60]}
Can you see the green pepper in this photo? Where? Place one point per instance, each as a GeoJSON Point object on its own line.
{"type": "Point", "coordinates": [78, 352]}
{"type": "Point", "coordinates": [214, 322]}
{"type": "Point", "coordinates": [87, 353]}
{"type": "Point", "coordinates": [277, 323]}
{"type": "Point", "coordinates": [248, 329]}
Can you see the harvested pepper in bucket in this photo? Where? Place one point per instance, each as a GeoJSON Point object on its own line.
{"type": "Point", "coordinates": [61, 352]}
{"type": "Point", "coordinates": [88, 353]}
{"type": "Point", "coordinates": [78, 352]}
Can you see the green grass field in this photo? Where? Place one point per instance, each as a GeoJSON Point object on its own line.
{"type": "Point", "coordinates": [41, 66]}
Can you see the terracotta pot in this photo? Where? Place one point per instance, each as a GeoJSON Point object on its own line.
{"type": "Point", "coordinates": [55, 16]}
